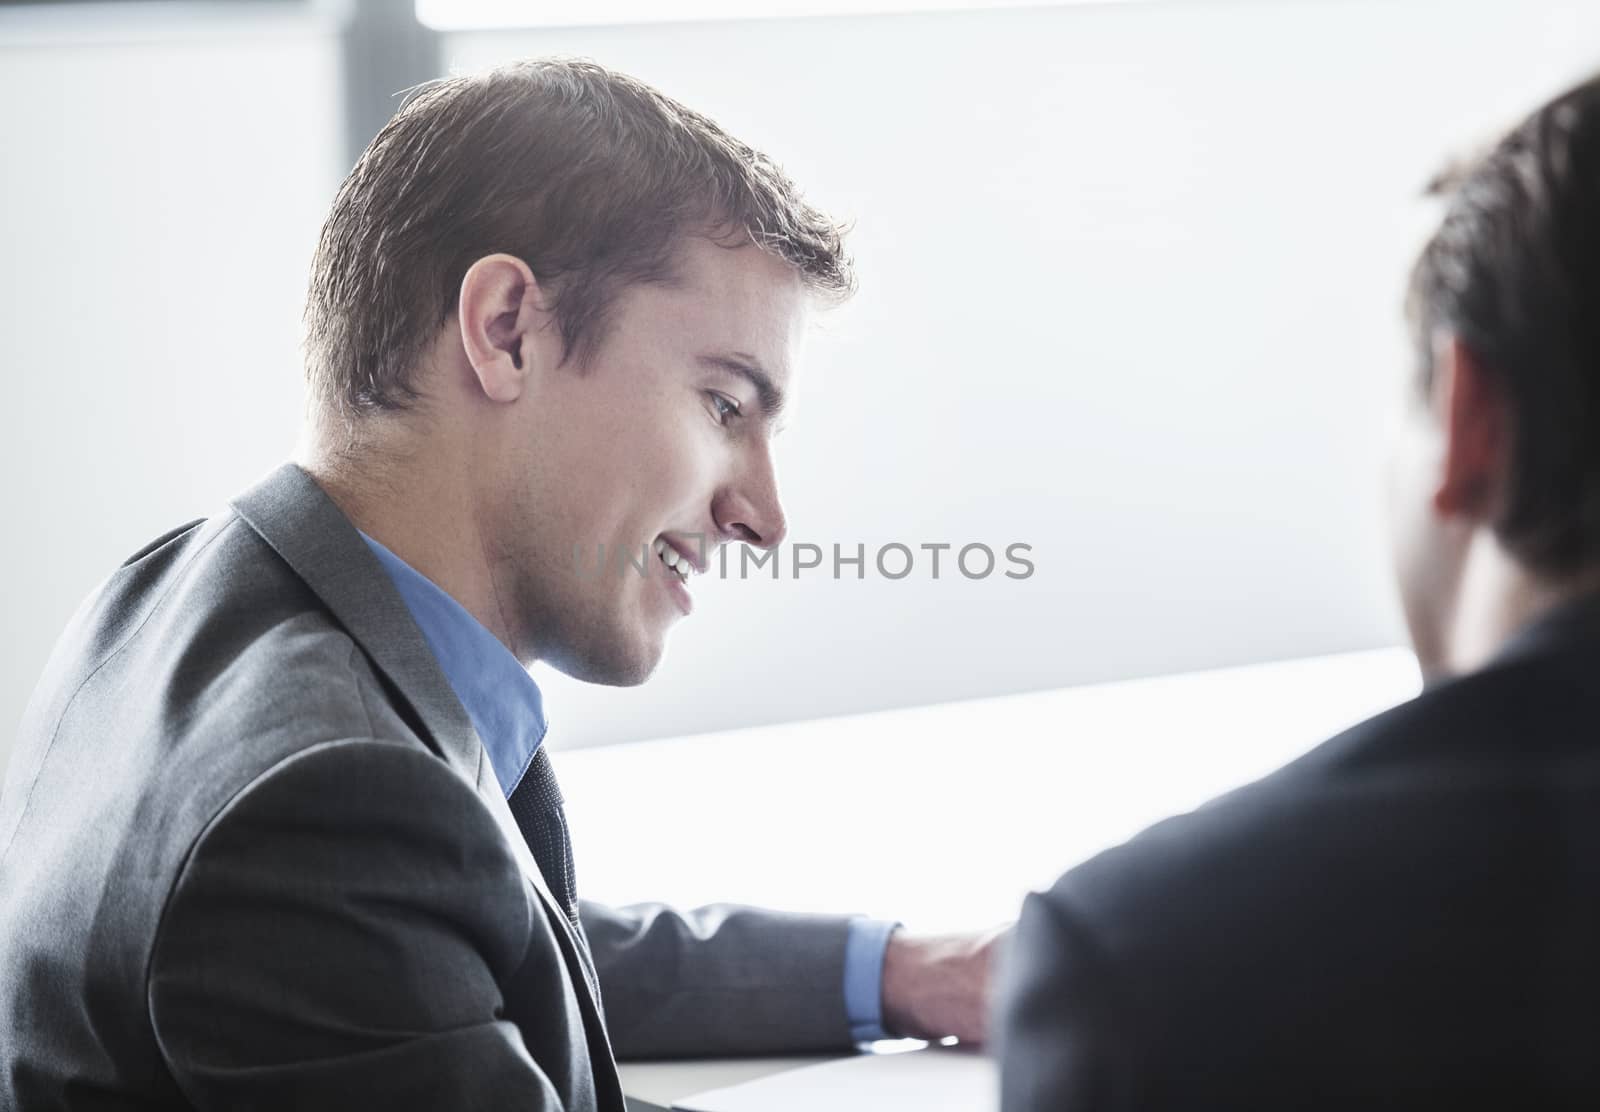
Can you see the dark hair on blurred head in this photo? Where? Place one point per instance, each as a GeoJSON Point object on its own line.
{"type": "Point", "coordinates": [1514, 272]}
{"type": "Point", "coordinates": [589, 176]}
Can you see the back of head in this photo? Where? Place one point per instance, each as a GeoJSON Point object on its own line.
{"type": "Point", "coordinates": [1514, 273]}
{"type": "Point", "coordinates": [589, 176]}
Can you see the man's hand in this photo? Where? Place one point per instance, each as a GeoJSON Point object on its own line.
{"type": "Point", "coordinates": [938, 985]}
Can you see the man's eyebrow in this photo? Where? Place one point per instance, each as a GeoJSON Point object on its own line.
{"type": "Point", "coordinates": [746, 367]}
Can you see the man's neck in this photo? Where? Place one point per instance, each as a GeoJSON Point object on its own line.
{"type": "Point", "coordinates": [424, 514]}
{"type": "Point", "coordinates": [1498, 598]}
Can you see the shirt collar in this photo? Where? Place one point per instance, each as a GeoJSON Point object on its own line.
{"type": "Point", "coordinates": [494, 688]}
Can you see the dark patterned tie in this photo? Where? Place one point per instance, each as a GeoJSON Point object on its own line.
{"type": "Point", "coordinates": [536, 805]}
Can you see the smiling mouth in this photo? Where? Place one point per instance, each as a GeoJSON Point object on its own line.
{"type": "Point", "coordinates": [676, 562]}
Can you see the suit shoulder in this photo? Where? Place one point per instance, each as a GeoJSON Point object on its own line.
{"type": "Point", "coordinates": [200, 662]}
{"type": "Point", "coordinates": [206, 619]}
{"type": "Point", "coordinates": [1495, 732]}
{"type": "Point", "coordinates": [1391, 863]}
{"type": "Point", "coordinates": [1225, 833]}
{"type": "Point", "coordinates": [1419, 812]}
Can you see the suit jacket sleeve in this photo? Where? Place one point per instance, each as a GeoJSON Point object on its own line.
{"type": "Point", "coordinates": [337, 939]}
{"type": "Point", "coordinates": [719, 980]}
{"type": "Point", "coordinates": [1060, 1044]}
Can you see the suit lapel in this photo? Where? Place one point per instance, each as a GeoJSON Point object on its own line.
{"type": "Point", "coordinates": [495, 801]}
{"type": "Point", "coordinates": [313, 537]}
{"type": "Point", "coordinates": [304, 527]}
{"type": "Point", "coordinates": [575, 951]}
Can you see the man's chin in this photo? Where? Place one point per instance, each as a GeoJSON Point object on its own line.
{"type": "Point", "coordinates": [616, 665]}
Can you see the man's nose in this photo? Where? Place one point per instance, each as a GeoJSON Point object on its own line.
{"type": "Point", "coordinates": [752, 511]}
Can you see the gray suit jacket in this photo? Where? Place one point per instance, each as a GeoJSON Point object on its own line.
{"type": "Point", "coordinates": [252, 855]}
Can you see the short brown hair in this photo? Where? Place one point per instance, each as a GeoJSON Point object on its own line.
{"type": "Point", "coordinates": [1514, 273]}
{"type": "Point", "coordinates": [589, 176]}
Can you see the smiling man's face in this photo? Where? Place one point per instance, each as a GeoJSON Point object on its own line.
{"type": "Point", "coordinates": [659, 449]}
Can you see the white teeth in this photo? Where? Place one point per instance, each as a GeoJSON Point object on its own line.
{"type": "Point", "coordinates": [659, 545]}
{"type": "Point", "coordinates": [670, 557]}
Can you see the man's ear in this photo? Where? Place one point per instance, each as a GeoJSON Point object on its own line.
{"type": "Point", "coordinates": [1471, 409]}
{"type": "Point", "coordinates": [502, 317]}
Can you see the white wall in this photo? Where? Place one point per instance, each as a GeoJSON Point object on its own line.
{"type": "Point", "coordinates": [1130, 283]}
{"type": "Point", "coordinates": [1130, 287]}
{"type": "Point", "coordinates": [160, 195]}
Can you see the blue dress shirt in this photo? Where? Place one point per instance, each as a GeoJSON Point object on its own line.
{"type": "Point", "coordinates": [506, 709]}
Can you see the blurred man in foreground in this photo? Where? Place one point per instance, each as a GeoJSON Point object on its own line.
{"type": "Point", "coordinates": [1408, 915]}
{"type": "Point", "coordinates": [281, 830]}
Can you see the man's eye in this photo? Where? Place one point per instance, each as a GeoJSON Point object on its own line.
{"type": "Point", "coordinates": [724, 406]}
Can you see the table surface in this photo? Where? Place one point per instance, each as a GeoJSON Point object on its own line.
{"type": "Point", "coordinates": [943, 817]}
{"type": "Point", "coordinates": [652, 1085]}
{"type": "Point", "coordinates": [956, 1076]}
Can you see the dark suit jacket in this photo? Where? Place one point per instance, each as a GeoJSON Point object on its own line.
{"type": "Point", "coordinates": [1408, 916]}
{"type": "Point", "coordinates": [252, 855]}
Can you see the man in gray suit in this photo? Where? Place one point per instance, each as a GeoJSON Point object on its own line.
{"type": "Point", "coordinates": [280, 830]}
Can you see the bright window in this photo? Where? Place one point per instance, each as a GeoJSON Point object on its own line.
{"type": "Point", "coordinates": [465, 15]}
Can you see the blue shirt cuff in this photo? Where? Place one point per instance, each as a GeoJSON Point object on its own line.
{"type": "Point", "coordinates": [863, 977]}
